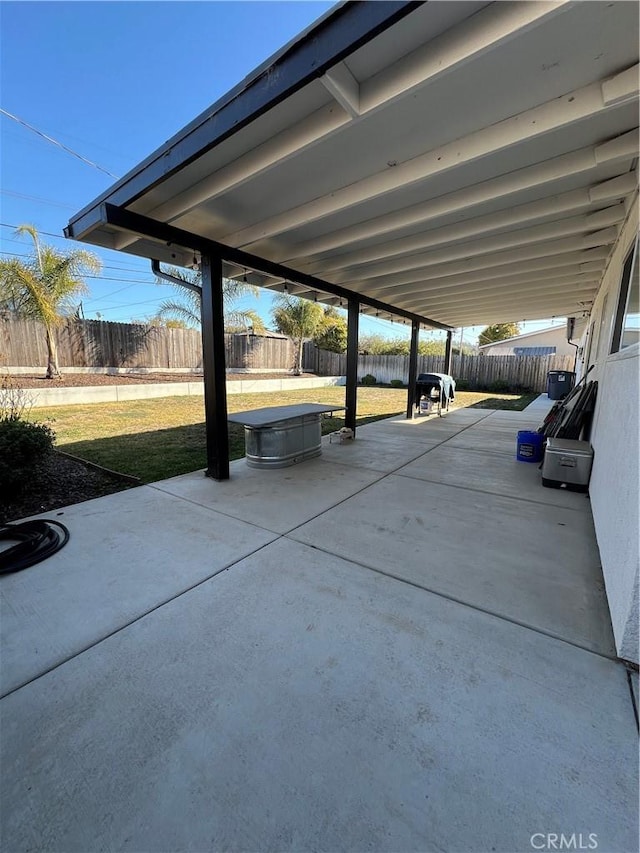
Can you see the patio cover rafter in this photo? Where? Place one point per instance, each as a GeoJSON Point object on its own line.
{"type": "Point", "coordinates": [420, 155]}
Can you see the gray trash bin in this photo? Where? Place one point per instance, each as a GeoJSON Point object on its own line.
{"type": "Point", "coordinates": [559, 383]}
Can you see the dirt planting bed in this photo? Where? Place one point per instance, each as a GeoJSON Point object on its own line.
{"type": "Point", "coordinates": [82, 380]}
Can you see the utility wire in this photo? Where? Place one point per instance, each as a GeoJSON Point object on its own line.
{"type": "Point", "coordinates": [104, 266]}
{"type": "Point", "coordinates": [59, 144]}
{"type": "Point", "coordinates": [38, 199]}
{"type": "Point", "coordinates": [104, 277]}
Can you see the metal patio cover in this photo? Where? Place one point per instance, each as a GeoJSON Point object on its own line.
{"type": "Point", "coordinates": [468, 162]}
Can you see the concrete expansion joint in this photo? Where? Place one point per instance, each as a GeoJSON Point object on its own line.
{"type": "Point", "coordinates": [485, 491]}
{"type": "Point", "coordinates": [632, 670]}
{"type": "Point", "coordinates": [138, 618]}
{"type": "Point", "coordinates": [455, 600]}
{"type": "Point", "coordinates": [215, 510]}
{"type": "Point", "coordinates": [382, 476]}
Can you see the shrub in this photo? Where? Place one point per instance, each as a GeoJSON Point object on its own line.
{"type": "Point", "coordinates": [15, 402]}
{"type": "Point", "coordinates": [22, 445]}
{"type": "Point", "coordinates": [500, 386]}
{"type": "Point", "coordinates": [462, 384]}
{"type": "Point", "coordinates": [369, 380]}
{"type": "Point", "coordinates": [397, 383]}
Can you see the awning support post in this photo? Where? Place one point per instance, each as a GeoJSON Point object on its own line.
{"type": "Point", "coordinates": [413, 367]}
{"type": "Point", "coordinates": [447, 354]}
{"type": "Point", "coordinates": [213, 363]}
{"type": "Point", "coordinates": [351, 395]}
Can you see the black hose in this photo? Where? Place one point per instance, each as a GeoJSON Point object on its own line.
{"type": "Point", "coordinates": [37, 540]}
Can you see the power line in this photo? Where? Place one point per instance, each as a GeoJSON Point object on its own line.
{"type": "Point", "coordinates": [59, 144]}
{"type": "Point", "coordinates": [127, 305]}
{"type": "Point", "coordinates": [38, 199]}
{"type": "Point", "coordinates": [107, 295]}
{"type": "Point", "coordinates": [105, 266]}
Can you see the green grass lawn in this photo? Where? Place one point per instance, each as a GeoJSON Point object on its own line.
{"type": "Point", "coordinates": [155, 439]}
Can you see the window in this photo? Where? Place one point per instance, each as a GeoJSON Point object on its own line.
{"type": "Point", "coordinates": [626, 330]}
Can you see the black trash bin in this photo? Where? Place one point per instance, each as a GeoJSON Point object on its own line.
{"type": "Point", "coordinates": [559, 383]}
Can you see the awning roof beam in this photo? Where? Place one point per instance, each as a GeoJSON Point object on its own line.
{"type": "Point", "coordinates": [134, 222]}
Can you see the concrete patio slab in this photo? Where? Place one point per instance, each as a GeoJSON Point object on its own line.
{"type": "Point", "coordinates": [509, 428]}
{"type": "Point", "coordinates": [379, 453]}
{"type": "Point", "coordinates": [506, 476]}
{"type": "Point", "coordinates": [468, 414]}
{"type": "Point", "coordinates": [458, 417]}
{"type": "Point", "coordinates": [128, 553]}
{"type": "Point", "coordinates": [541, 405]}
{"type": "Point", "coordinates": [487, 440]}
{"type": "Point", "coordinates": [537, 565]}
{"type": "Point", "coordinates": [465, 416]}
{"type": "Point", "coordinates": [299, 702]}
{"type": "Point", "coordinates": [513, 423]}
{"type": "Point", "coordinates": [525, 416]}
{"type": "Point", "coordinates": [425, 430]}
{"type": "Point", "coordinates": [635, 688]}
{"type": "Point", "coordinates": [277, 500]}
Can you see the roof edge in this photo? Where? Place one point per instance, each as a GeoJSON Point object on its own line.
{"type": "Point", "coordinates": [520, 337]}
{"type": "Point", "coordinates": [327, 41]}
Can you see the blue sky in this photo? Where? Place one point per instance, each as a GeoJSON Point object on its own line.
{"type": "Point", "coordinates": [113, 81]}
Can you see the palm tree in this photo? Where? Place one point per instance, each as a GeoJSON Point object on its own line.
{"type": "Point", "coordinates": [298, 319]}
{"type": "Point", "coordinates": [187, 305]}
{"type": "Point", "coordinates": [44, 287]}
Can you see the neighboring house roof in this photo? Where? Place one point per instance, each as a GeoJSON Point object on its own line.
{"type": "Point", "coordinates": [525, 336]}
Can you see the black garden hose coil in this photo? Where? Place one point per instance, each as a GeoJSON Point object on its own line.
{"type": "Point", "coordinates": [36, 540]}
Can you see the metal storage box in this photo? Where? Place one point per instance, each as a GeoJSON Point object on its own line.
{"type": "Point", "coordinates": [283, 443]}
{"type": "Point", "coordinates": [567, 462]}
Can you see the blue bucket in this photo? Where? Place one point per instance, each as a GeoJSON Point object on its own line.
{"type": "Point", "coordinates": [529, 446]}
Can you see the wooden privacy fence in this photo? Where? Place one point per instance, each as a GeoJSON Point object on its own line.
{"type": "Point", "coordinates": [96, 343]}
{"type": "Point", "coordinates": [479, 371]}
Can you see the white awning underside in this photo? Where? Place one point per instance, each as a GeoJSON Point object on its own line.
{"type": "Point", "coordinates": [472, 164]}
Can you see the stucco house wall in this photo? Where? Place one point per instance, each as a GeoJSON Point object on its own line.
{"type": "Point", "coordinates": [615, 478]}
{"type": "Point", "coordinates": [553, 337]}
